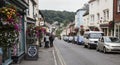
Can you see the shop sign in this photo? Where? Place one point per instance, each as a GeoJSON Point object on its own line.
{"type": "Point", "coordinates": [32, 52]}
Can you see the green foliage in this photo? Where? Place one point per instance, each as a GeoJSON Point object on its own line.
{"type": "Point", "coordinates": [58, 32]}
{"type": "Point", "coordinates": [60, 16]}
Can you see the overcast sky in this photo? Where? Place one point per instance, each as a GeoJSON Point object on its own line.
{"type": "Point", "coordinates": [68, 5]}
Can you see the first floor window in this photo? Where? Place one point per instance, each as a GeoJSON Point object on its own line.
{"type": "Point", "coordinates": [118, 5]}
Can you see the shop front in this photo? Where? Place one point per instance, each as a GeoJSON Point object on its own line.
{"type": "Point", "coordinates": [117, 30]}
{"type": "Point", "coordinates": [106, 29]}
{"type": "Point", "coordinates": [12, 30]}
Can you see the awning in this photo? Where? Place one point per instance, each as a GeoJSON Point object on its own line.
{"type": "Point", "coordinates": [104, 25]}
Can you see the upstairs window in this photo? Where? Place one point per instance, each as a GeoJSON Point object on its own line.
{"type": "Point", "coordinates": [106, 14]}
{"type": "Point", "coordinates": [98, 16]}
{"type": "Point", "coordinates": [92, 18]}
{"type": "Point", "coordinates": [118, 5]}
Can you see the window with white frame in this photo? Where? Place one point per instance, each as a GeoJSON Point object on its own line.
{"type": "Point", "coordinates": [92, 18]}
{"type": "Point", "coordinates": [98, 16]}
{"type": "Point", "coordinates": [118, 5]}
{"type": "Point", "coordinates": [106, 14]}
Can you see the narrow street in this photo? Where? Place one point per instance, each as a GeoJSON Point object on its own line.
{"type": "Point", "coordinates": [78, 55]}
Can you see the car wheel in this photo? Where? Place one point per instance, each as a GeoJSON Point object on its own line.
{"type": "Point", "coordinates": [104, 50]}
{"type": "Point", "coordinates": [97, 49]}
{"type": "Point", "coordinates": [89, 47]}
{"type": "Point", "coordinates": [85, 46]}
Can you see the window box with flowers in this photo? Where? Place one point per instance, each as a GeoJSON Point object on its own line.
{"type": "Point", "coordinates": [9, 30]}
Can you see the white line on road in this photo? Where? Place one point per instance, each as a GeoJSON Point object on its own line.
{"type": "Point", "coordinates": [59, 56]}
{"type": "Point", "coordinates": [54, 57]}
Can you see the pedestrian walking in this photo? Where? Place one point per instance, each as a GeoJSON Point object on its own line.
{"type": "Point", "coordinates": [51, 39]}
{"type": "Point", "coordinates": [46, 40]}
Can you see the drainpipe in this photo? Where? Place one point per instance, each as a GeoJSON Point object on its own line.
{"type": "Point", "coordinates": [114, 30]}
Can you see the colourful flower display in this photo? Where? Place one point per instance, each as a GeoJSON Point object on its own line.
{"type": "Point", "coordinates": [8, 14]}
{"type": "Point", "coordinates": [9, 25]}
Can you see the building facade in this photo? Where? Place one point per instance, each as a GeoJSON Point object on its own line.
{"type": "Point", "coordinates": [16, 52]}
{"type": "Point", "coordinates": [101, 14]}
{"type": "Point", "coordinates": [86, 20]}
{"type": "Point", "coordinates": [31, 19]}
{"type": "Point", "coordinates": [79, 18]}
{"type": "Point", "coordinates": [116, 18]}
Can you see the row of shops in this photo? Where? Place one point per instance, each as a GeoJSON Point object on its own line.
{"type": "Point", "coordinates": [17, 31]}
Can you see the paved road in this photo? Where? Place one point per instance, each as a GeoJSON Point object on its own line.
{"type": "Point", "coordinates": [78, 55]}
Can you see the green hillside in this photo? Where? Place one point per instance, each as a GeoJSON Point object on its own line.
{"type": "Point", "coordinates": [60, 16]}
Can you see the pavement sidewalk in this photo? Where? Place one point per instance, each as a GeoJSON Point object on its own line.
{"type": "Point", "coordinates": [46, 57]}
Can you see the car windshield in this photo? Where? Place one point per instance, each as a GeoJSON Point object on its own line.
{"type": "Point", "coordinates": [95, 35]}
{"type": "Point", "coordinates": [112, 39]}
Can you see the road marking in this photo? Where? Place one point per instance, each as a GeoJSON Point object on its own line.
{"type": "Point", "coordinates": [59, 56]}
{"type": "Point", "coordinates": [54, 57]}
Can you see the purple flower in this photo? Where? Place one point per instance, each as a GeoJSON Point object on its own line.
{"type": "Point", "coordinates": [18, 14]}
{"type": "Point", "coordinates": [38, 34]}
{"type": "Point", "coordinates": [16, 26]}
{"type": "Point", "coordinates": [10, 20]}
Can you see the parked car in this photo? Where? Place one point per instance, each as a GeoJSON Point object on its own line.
{"type": "Point", "coordinates": [75, 39]}
{"type": "Point", "coordinates": [65, 38]}
{"type": "Point", "coordinates": [80, 40]}
{"type": "Point", "coordinates": [91, 38]}
{"type": "Point", "coordinates": [108, 44]}
{"type": "Point", "coordinates": [70, 39]}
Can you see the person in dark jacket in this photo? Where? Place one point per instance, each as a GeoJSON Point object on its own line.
{"type": "Point", "coordinates": [51, 39]}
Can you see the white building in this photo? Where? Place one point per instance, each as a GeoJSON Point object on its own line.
{"type": "Point", "coordinates": [86, 20]}
{"type": "Point", "coordinates": [100, 14]}
{"type": "Point", "coordinates": [79, 18]}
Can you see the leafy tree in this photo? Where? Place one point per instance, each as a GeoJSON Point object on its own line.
{"type": "Point", "coordinates": [60, 16]}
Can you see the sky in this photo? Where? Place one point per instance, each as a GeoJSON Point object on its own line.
{"type": "Point", "coordinates": [61, 5]}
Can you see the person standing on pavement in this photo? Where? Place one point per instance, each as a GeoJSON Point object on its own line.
{"type": "Point", "coordinates": [46, 40]}
{"type": "Point", "coordinates": [51, 38]}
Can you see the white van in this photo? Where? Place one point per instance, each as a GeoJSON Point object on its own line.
{"type": "Point", "coordinates": [91, 38]}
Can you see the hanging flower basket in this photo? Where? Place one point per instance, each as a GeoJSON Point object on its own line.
{"type": "Point", "coordinates": [9, 25]}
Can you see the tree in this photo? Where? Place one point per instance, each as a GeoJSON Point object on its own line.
{"type": "Point", "coordinates": [60, 16]}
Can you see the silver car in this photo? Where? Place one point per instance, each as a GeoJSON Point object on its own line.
{"type": "Point", "coordinates": [108, 44]}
